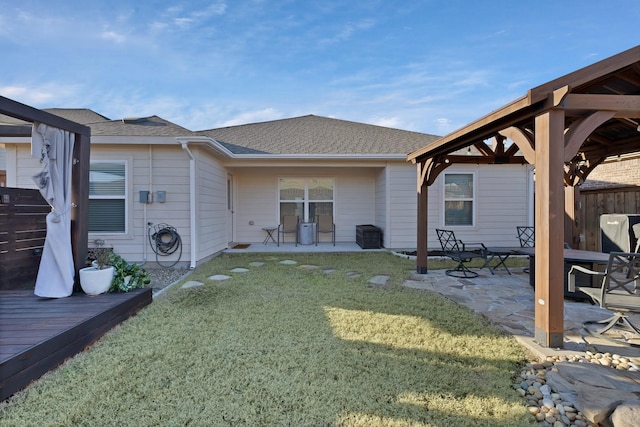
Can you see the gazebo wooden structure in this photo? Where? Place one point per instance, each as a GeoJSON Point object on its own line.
{"type": "Point", "coordinates": [565, 127]}
{"type": "Point", "coordinates": [80, 175]}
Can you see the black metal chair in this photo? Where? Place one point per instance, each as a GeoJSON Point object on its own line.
{"type": "Point", "coordinates": [288, 225]}
{"type": "Point", "coordinates": [619, 291]}
{"type": "Point", "coordinates": [526, 236]}
{"type": "Point", "coordinates": [460, 252]}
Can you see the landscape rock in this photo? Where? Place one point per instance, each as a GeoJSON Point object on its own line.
{"type": "Point", "coordinates": [626, 414]}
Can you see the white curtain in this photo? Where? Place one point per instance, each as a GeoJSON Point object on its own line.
{"type": "Point", "coordinates": [54, 147]}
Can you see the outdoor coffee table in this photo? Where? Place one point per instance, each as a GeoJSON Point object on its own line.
{"type": "Point", "coordinates": [269, 236]}
{"type": "Point", "coordinates": [501, 254]}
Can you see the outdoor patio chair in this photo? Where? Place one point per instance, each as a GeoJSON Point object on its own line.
{"type": "Point", "coordinates": [526, 237]}
{"type": "Point", "coordinates": [324, 224]}
{"type": "Point", "coordinates": [289, 225]}
{"type": "Point", "coordinates": [619, 291]}
{"type": "Point", "coordinates": [460, 252]}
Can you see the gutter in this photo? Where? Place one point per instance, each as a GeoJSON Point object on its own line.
{"type": "Point", "coordinates": [192, 203]}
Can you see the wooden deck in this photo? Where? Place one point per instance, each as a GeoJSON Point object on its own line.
{"type": "Point", "coordinates": [38, 334]}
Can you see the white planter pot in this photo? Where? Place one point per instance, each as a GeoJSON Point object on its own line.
{"type": "Point", "coordinates": [96, 282]}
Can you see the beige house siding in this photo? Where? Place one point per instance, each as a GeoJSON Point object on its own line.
{"type": "Point", "coordinates": [403, 207]}
{"type": "Point", "coordinates": [257, 199]}
{"type": "Point", "coordinates": [163, 168]}
{"type": "Point", "coordinates": [355, 202]}
{"type": "Point", "coordinates": [382, 208]}
{"type": "Point", "coordinates": [502, 203]}
{"type": "Point", "coordinates": [211, 205]}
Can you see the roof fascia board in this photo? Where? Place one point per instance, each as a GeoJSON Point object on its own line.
{"type": "Point", "coordinates": [321, 156]}
{"type": "Point", "coordinates": [586, 74]}
{"type": "Point", "coordinates": [207, 142]}
{"type": "Point", "coordinates": [473, 130]}
{"type": "Point", "coordinates": [326, 163]}
{"type": "Point", "coordinates": [106, 140]}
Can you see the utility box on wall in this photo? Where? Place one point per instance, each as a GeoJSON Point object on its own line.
{"type": "Point", "coordinates": [617, 232]}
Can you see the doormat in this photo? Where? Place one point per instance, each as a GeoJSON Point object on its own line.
{"type": "Point", "coordinates": [242, 246]}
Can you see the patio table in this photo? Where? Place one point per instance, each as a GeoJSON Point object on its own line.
{"type": "Point", "coordinates": [501, 254]}
{"type": "Point", "coordinates": [589, 259]}
{"type": "Point", "coordinates": [269, 236]}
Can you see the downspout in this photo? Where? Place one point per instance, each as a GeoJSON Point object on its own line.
{"type": "Point", "coordinates": [144, 210]}
{"type": "Point", "coordinates": [192, 202]}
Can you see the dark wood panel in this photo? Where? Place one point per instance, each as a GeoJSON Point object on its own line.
{"type": "Point", "coordinates": [604, 201]}
{"type": "Point", "coordinates": [23, 230]}
{"type": "Point", "coordinates": [38, 334]}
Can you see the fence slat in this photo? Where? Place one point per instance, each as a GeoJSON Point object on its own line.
{"type": "Point", "coordinates": [23, 230]}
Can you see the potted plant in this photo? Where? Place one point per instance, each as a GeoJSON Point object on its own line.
{"type": "Point", "coordinates": [96, 279]}
{"type": "Point", "coordinates": [127, 276]}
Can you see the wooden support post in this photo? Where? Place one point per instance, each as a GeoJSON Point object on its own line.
{"type": "Point", "coordinates": [80, 200]}
{"type": "Point", "coordinates": [570, 216]}
{"type": "Point", "coordinates": [421, 252]}
{"type": "Point", "coordinates": [549, 226]}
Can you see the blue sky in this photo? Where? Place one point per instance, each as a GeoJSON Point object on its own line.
{"type": "Point", "coordinates": [421, 65]}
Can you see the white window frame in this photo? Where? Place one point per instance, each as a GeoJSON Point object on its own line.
{"type": "Point", "coordinates": [306, 200]}
{"type": "Point", "coordinates": [124, 197]}
{"type": "Point", "coordinates": [471, 199]}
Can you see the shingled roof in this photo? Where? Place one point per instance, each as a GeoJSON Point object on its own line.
{"type": "Point", "coordinates": [317, 135]}
{"type": "Point", "coordinates": [83, 116]}
{"type": "Point", "coordinates": [297, 136]}
{"type": "Point", "coordinates": [103, 126]}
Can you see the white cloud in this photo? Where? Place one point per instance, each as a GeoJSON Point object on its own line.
{"type": "Point", "coordinates": [262, 115]}
{"type": "Point", "coordinates": [390, 122]}
{"type": "Point", "coordinates": [43, 95]}
{"type": "Point", "coordinates": [348, 30]}
{"type": "Point", "coordinates": [113, 36]}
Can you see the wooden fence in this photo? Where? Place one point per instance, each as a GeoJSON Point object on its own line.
{"type": "Point", "coordinates": [23, 230]}
{"type": "Point", "coordinates": [594, 203]}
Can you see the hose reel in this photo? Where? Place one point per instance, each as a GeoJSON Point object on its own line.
{"type": "Point", "coordinates": [165, 241]}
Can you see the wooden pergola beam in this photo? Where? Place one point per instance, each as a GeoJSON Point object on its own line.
{"type": "Point", "coordinates": [543, 125]}
{"type": "Point", "coordinates": [623, 106]}
{"type": "Point", "coordinates": [80, 172]}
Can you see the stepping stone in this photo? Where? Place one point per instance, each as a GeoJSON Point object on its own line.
{"type": "Point", "coordinates": [328, 271]}
{"type": "Point", "coordinates": [192, 284]}
{"type": "Point", "coordinates": [219, 277]}
{"type": "Point", "coordinates": [309, 267]}
{"type": "Point", "coordinates": [415, 284]}
{"type": "Point", "coordinates": [379, 280]}
{"type": "Point", "coordinates": [353, 275]}
{"type": "Point", "coordinates": [240, 270]}
{"type": "Point", "coordinates": [256, 264]}
{"type": "Point", "coordinates": [288, 262]}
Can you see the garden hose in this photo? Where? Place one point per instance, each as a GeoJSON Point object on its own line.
{"type": "Point", "coordinates": [165, 241]}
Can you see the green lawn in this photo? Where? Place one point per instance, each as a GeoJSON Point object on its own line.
{"type": "Point", "coordinates": [289, 345]}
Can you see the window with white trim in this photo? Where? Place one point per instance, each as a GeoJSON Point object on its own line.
{"type": "Point", "coordinates": [458, 199]}
{"type": "Point", "coordinates": [107, 197]}
{"type": "Point", "coordinates": [306, 197]}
